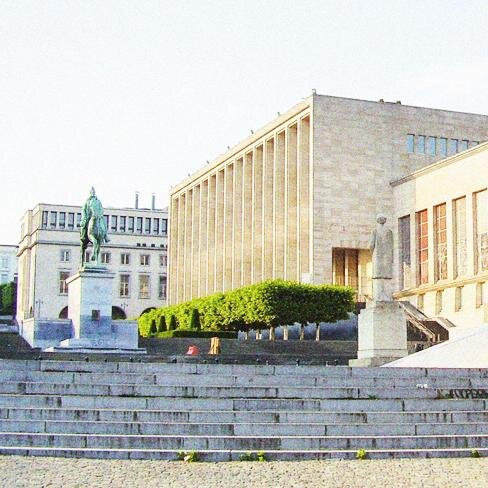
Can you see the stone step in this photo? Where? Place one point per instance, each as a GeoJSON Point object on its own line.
{"type": "Point", "coordinates": [212, 404]}
{"type": "Point", "coordinates": [192, 379]}
{"type": "Point", "coordinates": [240, 429]}
{"type": "Point", "coordinates": [306, 393]}
{"type": "Point", "coordinates": [234, 455]}
{"type": "Point", "coordinates": [189, 442]}
{"type": "Point", "coordinates": [236, 369]}
{"type": "Point", "coordinates": [256, 416]}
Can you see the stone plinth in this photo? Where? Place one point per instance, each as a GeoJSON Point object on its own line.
{"type": "Point", "coordinates": [382, 334]}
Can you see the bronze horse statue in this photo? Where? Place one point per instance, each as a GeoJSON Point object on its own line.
{"type": "Point", "coordinates": [92, 228]}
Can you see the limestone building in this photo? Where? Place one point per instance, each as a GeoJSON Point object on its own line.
{"type": "Point", "coordinates": [297, 199]}
{"type": "Point", "coordinates": [8, 263]}
{"type": "Point", "coordinates": [49, 252]}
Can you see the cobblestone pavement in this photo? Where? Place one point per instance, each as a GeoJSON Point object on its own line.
{"type": "Point", "coordinates": [67, 473]}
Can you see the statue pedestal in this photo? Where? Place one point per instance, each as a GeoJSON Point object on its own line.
{"type": "Point", "coordinates": [382, 334]}
{"type": "Point", "coordinates": [90, 311]}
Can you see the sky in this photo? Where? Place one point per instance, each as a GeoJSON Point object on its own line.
{"type": "Point", "coordinates": [134, 95]}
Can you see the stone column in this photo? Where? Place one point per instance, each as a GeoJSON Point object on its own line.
{"type": "Point", "coordinates": [257, 218]}
{"type": "Point", "coordinates": [247, 179]}
{"type": "Point", "coordinates": [195, 255]}
{"type": "Point", "coordinates": [304, 199]}
{"type": "Point", "coordinates": [228, 226]}
{"type": "Point", "coordinates": [181, 247]}
{"type": "Point", "coordinates": [237, 238]}
{"type": "Point", "coordinates": [279, 206]}
{"type": "Point", "coordinates": [203, 240]}
{"type": "Point", "coordinates": [173, 278]}
{"type": "Point", "coordinates": [211, 215]}
{"type": "Point", "coordinates": [219, 231]}
{"type": "Point", "coordinates": [291, 243]}
{"type": "Point", "coordinates": [188, 245]}
{"type": "Point", "coordinates": [268, 192]}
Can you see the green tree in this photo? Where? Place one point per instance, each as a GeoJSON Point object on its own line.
{"type": "Point", "coordinates": [172, 323]}
{"type": "Point", "coordinates": [153, 329]}
{"type": "Point", "coordinates": [162, 323]}
{"type": "Point", "coordinates": [195, 320]}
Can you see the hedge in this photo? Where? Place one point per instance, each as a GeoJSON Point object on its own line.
{"type": "Point", "coordinates": [8, 292]}
{"type": "Point", "coordinates": [225, 334]}
{"type": "Point", "coordinates": [260, 306]}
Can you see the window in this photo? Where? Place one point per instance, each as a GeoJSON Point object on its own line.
{"type": "Point", "coordinates": [45, 216]}
{"type": "Point", "coordinates": [438, 302]}
{"type": "Point", "coordinates": [420, 301]}
{"type": "Point", "coordinates": [422, 247]}
{"type": "Point", "coordinates": [122, 222]}
{"type": "Point", "coordinates": [463, 145]}
{"type": "Point", "coordinates": [147, 225]}
{"type": "Point", "coordinates": [442, 146]}
{"type": "Point", "coordinates": [62, 220]}
{"type": "Point", "coordinates": [125, 258]}
{"type": "Point", "coordinates": [71, 220]}
{"type": "Point", "coordinates": [421, 144]}
{"type": "Point", "coordinates": [164, 226]}
{"type": "Point", "coordinates": [124, 290]}
{"type": "Point", "coordinates": [163, 260]}
{"type": "Point", "coordinates": [440, 242]}
{"type": "Point", "coordinates": [63, 286]}
{"type": "Point", "coordinates": [155, 226]}
{"type": "Point", "coordinates": [113, 223]}
{"type": "Point", "coordinates": [139, 225]}
{"type": "Point", "coordinates": [479, 294]}
{"type": "Point", "coordinates": [410, 143]}
{"type": "Point", "coordinates": [162, 287]}
{"type": "Point", "coordinates": [53, 216]}
{"type": "Point", "coordinates": [78, 220]}
{"type": "Point", "coordinates": [144, 291]}
{"type": "Point", "coordinates": [105, 257]}
{"type": "Point", "coordinates": [460, 243]}
{"type": "Point", "coordinates": [453, 146]}
{"type": "Point", "coordinates": [144, 259]}
{"type": "Point", "coordinates": [431, 142]}
{"type": "Point", "coordinates": [405, 261]}
{"type": "Point", "coordinates": [131, 224]}
{"type": "Point", "coordinates": [480, 202]}
{"type": "Point", "coordinates": [458, 298]}
{"type": "Point", "coordinates": [65, 255]}
{"type": "Point", "coordinates": [106, 218]}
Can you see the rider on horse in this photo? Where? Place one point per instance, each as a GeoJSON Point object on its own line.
{"type": "Point", "coordinates": [92, 227]}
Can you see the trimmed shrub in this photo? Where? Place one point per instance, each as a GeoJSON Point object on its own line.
{"type": "Point", "coordinates": [204, 334]}
{"type": "Point", "coordinates": [195, 320]}
{"type": "Point", "coordinates": [162, 323]}
{"type": "Point", "coordinates": [153, 329]}
{"type": "Point", "coordinates": [172, 323]}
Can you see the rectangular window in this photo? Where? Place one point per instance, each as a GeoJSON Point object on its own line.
{"type": "Point", "coordinates": [62, 220]}
{"type": "Point", "coordinates": [405, 260]}
{"type": "Point", "coordinates": [163, 260]}
{"type": "Point", "coordinates": [421, 144]}
{"type": "Point", "coordinates": [144, 290]}
{"type": "Point", "coordinates": [162, 287]}
{"type": "Point", "coordinates": [106, 218]}
{"type": "Point", "coordinates": [139, 225]}
{"type": "Point", "coordinates": [144, 259]}
{"type": "Point", "coordinates": [463, 145]}
{"type": "Point", "coordinates": [124, 290]}
{"type": "Point", "coordinates": [432, 142]}
{"type": "Point", "coordinates": [65, 255]}
{"type": "Point", "coordinates": [480, 219]}
{"type": "Point", "coordinates": [164, 226]}
{"type": "Point", "coordinates": [125, 258]}
{"type": "Point", "coordinates": [53, 217]}
{"type": "Point", "coordinates": [147, 226]}
{"type": "Point", "coordinates": [453, 146]}
{"type": "Point", "coordinates": [440, 242]}
{"type": "Point", "coordinates": [122, 222]}
{"type": "Point", "coordinates": [78, 220]}
{"type": "Point", "coordinates": [422, 247]}
{"type": "Point", "coordinates": [105, 257]}
{"type": "Point", "coordinates": [63, 286]}
{"type": "Point", "coordinates": [442, 146]}
{"type": "Point", "coordinates": [410, 143]}
{"type": "Point", "coordinates": [131, 224]}
{"type": "Point", "coordinates": [71, 221]}
{"type": "Point", "coordinates": [113, 223]}
{"type": "Point", "coordinates": [459, 238]}
{"type": "Point", "coordinates": [45, 216]}
{"type": "Point", "coordinates": [155, 226]}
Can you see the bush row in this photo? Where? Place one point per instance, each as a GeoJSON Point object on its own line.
{"type": "Point", "coordinates": [263, 305]}
{"type": "Point", "coordinates": [205, 334]}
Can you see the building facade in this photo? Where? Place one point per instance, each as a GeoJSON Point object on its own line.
{"type": "Point", "coordinates": [8, 263]}
{"type": "Point", "coordinates": [49, 252]}
{"type": "Point", "coordinates": [441, 238]}
{"type": "Point", "coordinates": [298, 198]}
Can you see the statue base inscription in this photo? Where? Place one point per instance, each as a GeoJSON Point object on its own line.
{"type": "Point", "coordinates": [382, 334]}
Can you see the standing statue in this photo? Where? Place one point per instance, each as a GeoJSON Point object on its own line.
{"type": "Point", "coordinates": [381, 246]}
{"type": "Point", "coordinates": [92, 228]}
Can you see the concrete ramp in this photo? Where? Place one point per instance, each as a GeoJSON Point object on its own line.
{"type": "Point", "coordinates": [468, 350]}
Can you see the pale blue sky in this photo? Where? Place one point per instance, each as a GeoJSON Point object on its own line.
{"type": "Point", "coordinates": [133, 95]}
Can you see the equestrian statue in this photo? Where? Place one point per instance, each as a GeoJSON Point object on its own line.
{"type": "Point", "coordinates": [93, 228]}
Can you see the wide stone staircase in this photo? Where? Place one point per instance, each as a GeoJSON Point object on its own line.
{"type": "Point", "coordinates": [127, 409]}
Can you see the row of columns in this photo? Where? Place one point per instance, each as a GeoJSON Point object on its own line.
{"type": "Point", "coordinates": [247, 221]}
